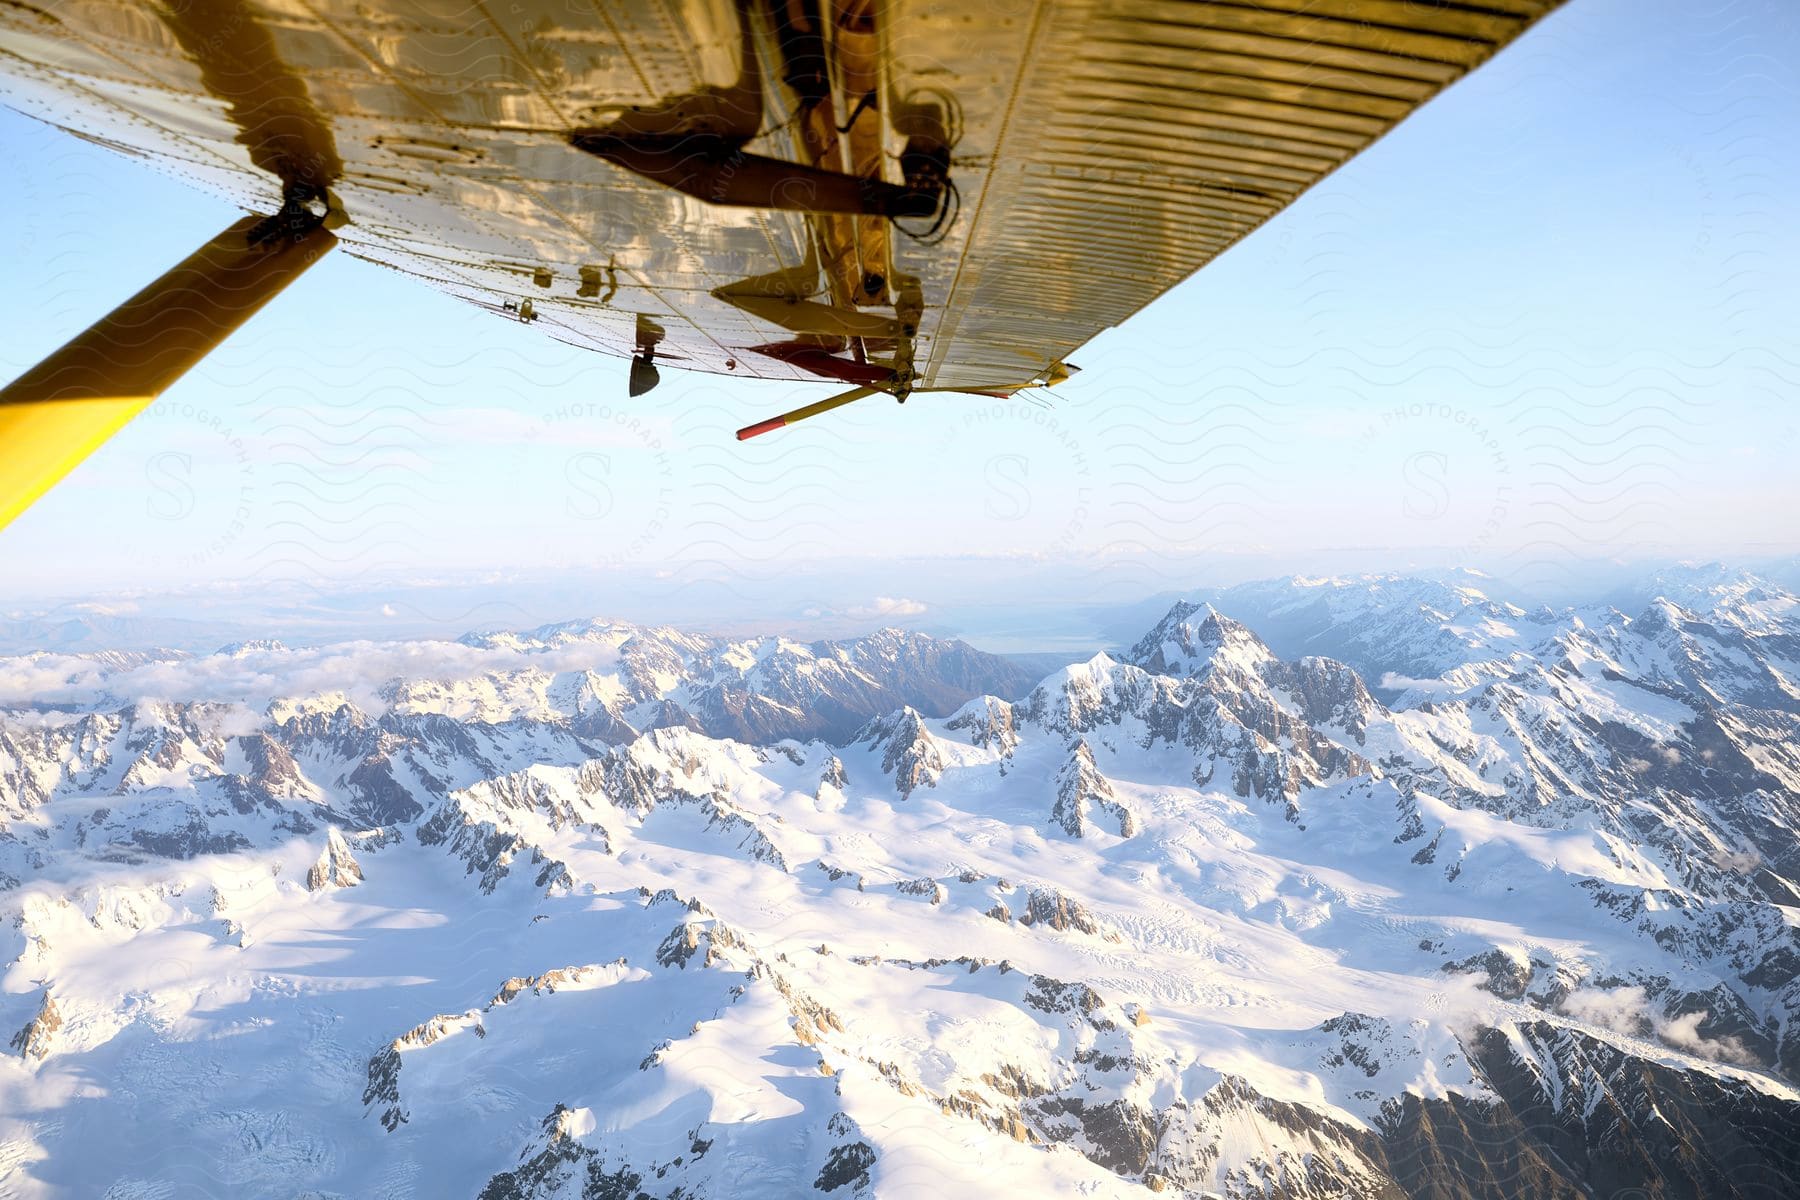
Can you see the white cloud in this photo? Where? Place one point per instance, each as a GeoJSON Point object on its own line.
{"type": "Point", "coordinates": [1741, 861]}
{"type": "Point", "coordinates": [887, 606]}
{"type": "Point", "coordinates": [1628, 1010]}
{"type": "Point", "coordinates": [1622, 1010]}
{"type": "Point", "coordinates": [1684, 1033]}
{"type": "Point", "coordinates": [1397, 681]}
{"type": "Point", "coordinates": [358, 669]}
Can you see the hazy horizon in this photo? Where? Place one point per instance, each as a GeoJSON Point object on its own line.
{"type": "Point", "coordinates": [1057, 612]}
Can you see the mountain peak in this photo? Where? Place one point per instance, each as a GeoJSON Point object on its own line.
{"type": "Point", "coordinates": [251, 646]}
{"type": "Point", "coordinates": [1079, 696]}
{"type": "Point", "coordinates": [989, 723]}
{"type": "Point", "coordinates": [1194, 638]}
{"type": "Point", "coordinates": [901, 722]}
{"type": "Point", "coordinates": [1660, 614]}
{"type": "Point", "coordinates": [908, 751]}
{"type": "Point", "coordinates": [1080, 788]}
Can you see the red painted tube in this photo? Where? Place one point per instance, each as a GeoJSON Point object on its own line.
{"type": "Point", "coordinates": [750, 431]}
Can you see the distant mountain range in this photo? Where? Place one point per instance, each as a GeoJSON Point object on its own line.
{"type": "Point", "coordinates": [1373, 887]}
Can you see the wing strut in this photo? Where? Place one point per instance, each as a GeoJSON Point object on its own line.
{"type": "Point", "coordinates": [800, 414]}
{"type": "Point", "coordinates": [1052, 375]}
{"type": "Point", "coordinates": [60, 411]}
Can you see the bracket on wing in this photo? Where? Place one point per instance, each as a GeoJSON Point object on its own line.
{"type": "Point", "coordinates": [694, 143]}
{"type": "Point", "coordinates": [719, 170]}
{"type": "Point", "coordinates": [784, 298]}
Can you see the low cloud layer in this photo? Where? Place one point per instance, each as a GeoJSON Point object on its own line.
{"type": "Point", "coordinates": [1629, 1010]}
{"type": "Point", "coordinates": [358, 670]}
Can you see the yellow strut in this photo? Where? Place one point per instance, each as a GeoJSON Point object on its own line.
{"type": "Point", "coordinates": [60, 411]}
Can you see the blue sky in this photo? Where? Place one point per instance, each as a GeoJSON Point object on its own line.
{"type": "Point", "coordinates": [1547, 323]}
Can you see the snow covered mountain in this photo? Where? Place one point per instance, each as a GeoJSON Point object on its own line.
{"type": "Point", "coordinates": [1387, 625]}
{"type": "Point", "coordinates": [597, 911]}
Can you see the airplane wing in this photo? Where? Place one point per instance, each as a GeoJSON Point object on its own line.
{"type": "Point", "coordinates": [896, 194]}
{"type": "Point", "coordinates": [1133, 141]}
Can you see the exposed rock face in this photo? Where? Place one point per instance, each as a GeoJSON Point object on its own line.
{"type": "Point", "coordinates": [1614, 1122]}
{"type": "Point", "coordinates": [336, 865]}
{"type": "Point", "coordinates": [1081, 788]}
{"type": "Point", "coordinates": [1057, 911]}
{"type": "Point", "coordinates": [696, 938]}
{"type": "Point", "coordinates": [908, 751]}
{"type": "Point", "coordinates": [988, 722]}
{"type": "Point", "coordinates": [931, 889]}
{"type": "Point", "coordinates": [34, 1041]}
{"type": "Point", "coordinates": [1197, 640]}
{"type": "Point", "coordinates": [848, 1166]}
{"type": "Point", "coordinates": [562, 1166]}
{"type": "Point", "coordinates": [1240, 710]}
{"type": "Point", "coordinates": [486, 849]}
{"type": "Point", "coordinates": [1329, 696]}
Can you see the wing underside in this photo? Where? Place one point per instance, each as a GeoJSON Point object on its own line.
{"type": "Point", "coordinates": [1100, 151]}
{"type": "Point", "coordinates": [1142, 138]}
